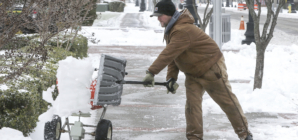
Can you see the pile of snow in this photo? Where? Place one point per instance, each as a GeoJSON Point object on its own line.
{"type": "Point", "coordinates": [12, 134]}
{"type": "Point", "coordinates": [74, 80]}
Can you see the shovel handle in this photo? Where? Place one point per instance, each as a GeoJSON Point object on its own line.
{"type": "Point", "coordinates": [141, 82]}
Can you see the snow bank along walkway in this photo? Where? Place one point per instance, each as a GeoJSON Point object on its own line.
{"type": "Point", "coordinates": [150, 113]}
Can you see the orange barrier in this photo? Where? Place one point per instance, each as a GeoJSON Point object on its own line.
{"type": "Point", "coordinates": [242, 24]}
{"type": "Point", "coordinates": [255, 7]}
{"type": "Point", "coordinates": [240, 6]}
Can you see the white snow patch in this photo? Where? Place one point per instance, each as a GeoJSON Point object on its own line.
{"type": "Point", "coordinates": [74, 79]}
{"type": "Point", "coordinates": [12, 134]}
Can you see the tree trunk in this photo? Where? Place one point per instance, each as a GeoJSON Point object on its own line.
{"type": "Point", "coordinates": [263, 40]}
{"type": "Point", "coordinates": [259, 71]}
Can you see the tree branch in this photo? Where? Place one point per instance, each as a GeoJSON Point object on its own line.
{"type": "Point", "coordinates": [268, 19]}
{"type": "Point", "coordinates": [61, 14]}
{"type": "Point", "coordinates": [205, 11]}
{"type": "Point", "coordinates": [274, 20]}
{"type": "Point", "coordinates": [207, 19]}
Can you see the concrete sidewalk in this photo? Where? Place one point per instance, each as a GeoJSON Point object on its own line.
{"type": "Point", "coordinates": [151, 114]}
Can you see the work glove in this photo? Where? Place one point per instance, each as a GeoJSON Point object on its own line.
{"type": "Point", "coordinates": [149, 79]}
{"type": "Point", "coordinates": [172, 86]}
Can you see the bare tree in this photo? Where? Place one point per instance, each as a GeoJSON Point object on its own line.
{"type": "Point", "coordinates": [262, 40]}
{"type": "Point", "coordinates": [46, 18]}
{"type": "Point", "coordinates": [206, 17]}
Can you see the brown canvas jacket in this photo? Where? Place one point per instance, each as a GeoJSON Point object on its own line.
{"type": "Point", "coordinates": [189, 49]}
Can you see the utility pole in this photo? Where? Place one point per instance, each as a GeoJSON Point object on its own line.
{"type": "Point", "coordinates": [217, 22]}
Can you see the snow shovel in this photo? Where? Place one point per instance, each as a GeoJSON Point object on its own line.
{"type": "Point", "coordinates": [110, 81]}
{"type": "Point", "coordinates": [108, 90]}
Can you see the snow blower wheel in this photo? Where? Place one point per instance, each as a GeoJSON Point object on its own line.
{"type": "Point", "coordinates": [52, 129]}
{"type": "Point", "coordinates": [104, 130]}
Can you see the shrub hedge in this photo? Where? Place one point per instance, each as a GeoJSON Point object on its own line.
{"type": "Point", "coordinates": [22, 103]}
{"type": "Point", "coordinates": [116, 6]}
{"type": "Point", "coordinates": [20, 110]}
{"type": "Point", "coordinates": [91, 16]}
{"type": "Point", "coordinates": [79, 47]}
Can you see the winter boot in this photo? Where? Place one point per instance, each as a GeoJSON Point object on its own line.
{"type": "Point", "coordinates": [249, 137]}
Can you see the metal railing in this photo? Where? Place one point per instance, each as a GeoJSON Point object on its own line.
{"type": "Point", "coordinates": [226, 28]}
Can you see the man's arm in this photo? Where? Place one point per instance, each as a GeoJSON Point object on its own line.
{"type": "Point", "coordinates": [173, 71]}
{"type": "Point", "coordinates": [179, 42]}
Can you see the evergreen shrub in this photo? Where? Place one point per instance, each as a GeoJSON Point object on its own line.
{"type": "Point", "coordinates": [22, 103]}
{"type": "Point", "coordinates": [91, 16]}
{"type": "Point", "coordinates": [116, 6]}
{"type": "Point", "coordinates": [20, 110]}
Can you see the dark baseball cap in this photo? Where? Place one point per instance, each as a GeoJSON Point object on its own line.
{"type": "Point", "coordinates": [166, 7]}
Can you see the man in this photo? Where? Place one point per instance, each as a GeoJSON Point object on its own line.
{"type": "Point", "coordinates": [193, 52]}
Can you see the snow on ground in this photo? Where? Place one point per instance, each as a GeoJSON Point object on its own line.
{"type": "Point", "coordinates": [107, 30]}
{"type": "Point", "coordinates": [279, 92]}
{"type": "Point", "coordinates": [108, 19]}
{"type": "Point", "coordinates": [117, 37]}
{"type": "Point", "coordinates": [12, 134]}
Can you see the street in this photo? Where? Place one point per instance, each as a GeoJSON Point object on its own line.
{"type": "Point", "coordinates": [288, 25]}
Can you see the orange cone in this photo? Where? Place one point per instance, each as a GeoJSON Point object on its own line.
{"type": "Point", "coordinates": [242, 24]}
